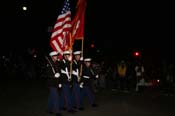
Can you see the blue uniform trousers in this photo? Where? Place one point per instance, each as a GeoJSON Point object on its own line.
{"type": "Point", "coordinates": [53, 100]}
{"type": "Point", "coordinates": [86, 91]}
{"type": "Point", "coordinates": [66, 97]}
{"type": "Point", "coordinates": [76, 95]}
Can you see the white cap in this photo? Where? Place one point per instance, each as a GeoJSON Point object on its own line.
{"type": "Point", "coordinates": [66, 52]}
{"type": "Point", "coordinates": [53, 53]}
{"type": "Point", "coordinates": [87, 59]}
{"type": "Point", "coordinates": [77, 52]}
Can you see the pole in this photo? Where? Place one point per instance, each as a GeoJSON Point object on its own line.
{"type": "Point", "coordinates": [82, 48]}
{"type": "Point", "coordinates": [50, 64]}
{"type": "Point", "coordinates": [71, 55]}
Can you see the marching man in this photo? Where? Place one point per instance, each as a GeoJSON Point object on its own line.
{"type": "Point", "coordinates": [66, 98]}
{"type": "Point", "coordinates": [53, 73]}
{"type": "Point", "coordinates": [76, 78]}
{"type": "Point", "coordinates": [86, 82]}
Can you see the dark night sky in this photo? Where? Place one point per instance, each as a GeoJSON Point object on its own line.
{"type": "Point", "coordinates": [110, 25]}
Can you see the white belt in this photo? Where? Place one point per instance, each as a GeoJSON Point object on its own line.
{"type": "Point", "coordinates": [87, 77]}
{"type": "Point", "coordinates": [66, 72]}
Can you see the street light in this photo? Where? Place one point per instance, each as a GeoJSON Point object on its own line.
{"type": "Point", "coordinates": [24, 8]}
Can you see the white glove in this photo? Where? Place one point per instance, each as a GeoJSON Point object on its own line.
{"type": "Point", "coordinates": [81, 85]}
{"type": "Point", "coordinates": [81, 58]}
{"type": "Point", "coordinates": [97, 76]}
{"type": "Point", "coordinates": [57, 75]}
{"type": "Point", "coordinates": [60, 85]}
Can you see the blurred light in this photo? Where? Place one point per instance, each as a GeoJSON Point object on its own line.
{"type": "Point", "coordinates": [158, 80]}
{"type": "Point", "coordinates": [136, 54]}
{"type": "Point", "coordinates": [35, 56]}
{"type": "Point", "coordinates": [24, 8]}
{"type": "Point", "coordinates": [92, 45]}
{"type": "Point", "coordinates": [3, 57]}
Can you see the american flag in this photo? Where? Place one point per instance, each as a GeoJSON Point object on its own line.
{"type": "Point", "coordinates": [60, 38]}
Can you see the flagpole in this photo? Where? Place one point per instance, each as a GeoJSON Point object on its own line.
{"type": "Point", "coordinates": [71, 55]}
{"type": "Point", "coordinates": [82, 48]}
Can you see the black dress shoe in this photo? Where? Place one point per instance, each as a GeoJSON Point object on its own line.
{"type": "Point", "coordinates": [63, 108]}
{"type": "Point", "coordinates": [71, 111]}
{"type": "Point", "coordinates": [81, 108]}
{"type": "Point", "coordinates": [50, 112]}
{"type": "Point", "coordinates": [58, 114]}
{"type": "Point", "coordinates": [94, 105]}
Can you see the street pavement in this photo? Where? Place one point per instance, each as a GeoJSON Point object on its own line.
{"type": "Point", "coordinates": [29, 98]}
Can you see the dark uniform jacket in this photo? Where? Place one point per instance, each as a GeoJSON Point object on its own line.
{"type": "Point", "coordinates": [52, 68]}
{"type": "Point", "coordinates": [76, 65]}
{"type": "Point", "coordinates": [87, 75]}
{"type": "Point", "coordinates": [65, 67]}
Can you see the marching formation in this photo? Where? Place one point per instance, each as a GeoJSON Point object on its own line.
{"type": "Point", "coordinates": [69, 81]}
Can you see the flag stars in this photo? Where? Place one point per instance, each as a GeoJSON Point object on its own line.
{"type": "Point", "coordinates": [66, 7]}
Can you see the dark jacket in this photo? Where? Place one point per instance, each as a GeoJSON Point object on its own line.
{"type": "Point", "coordinates": [87, 75]}
{"type": "Point", "coordinates": [65, 64]}
{"type": "Point", "coordinates": [76, 65]}
{"type": "Point", "coordinates": [52, 68]}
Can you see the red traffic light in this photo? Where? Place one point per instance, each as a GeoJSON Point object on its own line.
{"type": "Point", "coordinates": [136, 54]}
